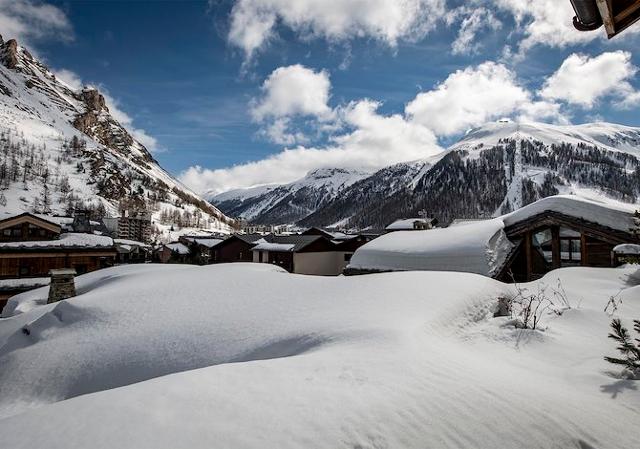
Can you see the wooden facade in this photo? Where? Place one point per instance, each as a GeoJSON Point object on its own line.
{"type": "Point", "coordinates": [553, 240]}
{"type": "Point", "coordinates": [236, 248]}
{"type": "Point", "coordinates": [43, 252]}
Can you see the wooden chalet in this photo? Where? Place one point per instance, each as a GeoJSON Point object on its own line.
{"type": "Point", "coordinates": [32, 245]}
{"type": "Point", "coordinates": [201, 247]}
{"type": "Point", "coordinates": [175, 252]}
{"type": "Point", "coordinates": [553, 239]}
{"type": "Point", "coordinates": [302, 254]}
{"type": "Point", "coordinates": [236, 248]}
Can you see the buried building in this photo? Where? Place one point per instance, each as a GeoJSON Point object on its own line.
{"type": "Point", "coordinates": [554, 232]}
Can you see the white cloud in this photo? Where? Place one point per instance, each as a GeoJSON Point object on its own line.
{"type": "Point", "coordinates": [468, 98]}
{"type": "Point", "coordinates": [546, 22]}
{"type": "Point", "coordinates": [288, 93]}
{"type": "Point", "coordinates": [472, 21]}
{"type": "Point", "coordinates": [373, 141]}
{"type": "Point", "coordinates": [253, 22]}
{"type": "Point", "coordinates": [26, 20]}
{"type": "Point", "coordinates": [583, 80]}
{"type": "Point", "coordinates": [293, 90]}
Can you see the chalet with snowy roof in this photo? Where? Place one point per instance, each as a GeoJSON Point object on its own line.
{"type": "Point", "coordinates": [201, 247]}
{"type": "Point", "coordinates": [132, 251]}
{"type": "Point", "coordinates": [32, 245]}
{"type": "Point", "coordinates": [174, 252]}
{"type": "Point", "coordinates": [554, 232]}
{"type": "Point", "coordinates": [302, 254]}
{"type": "Point", "coordinates": [235, 248]}
{"type": "Point", "coordinates": [344, 244]}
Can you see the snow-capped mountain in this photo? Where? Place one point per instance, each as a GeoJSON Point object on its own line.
{"type": "Point", "coordinates": [492, 170]}
{"type": "Point", "coordinates": [62, 149]}
{"type": "Point", "coordinates": [288, 203]}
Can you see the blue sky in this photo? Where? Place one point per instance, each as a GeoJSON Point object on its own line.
{"type": "Point", "coordinates": [184, 73]}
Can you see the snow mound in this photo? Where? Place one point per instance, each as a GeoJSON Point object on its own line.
{"type": "Point", "coordinates": [246, 355]}
{"type": "Point", "coordinates": [479, 247]}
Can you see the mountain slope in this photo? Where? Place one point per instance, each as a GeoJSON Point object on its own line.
{"type": "Point", "coordinates": [494, 169]}
{"type": "Point", "coordinates": [62, 149]}
{"type": "Point", "coordinates": [288, 203]}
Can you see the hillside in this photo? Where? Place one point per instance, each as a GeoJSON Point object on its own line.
{"type": "Point", "coordinates": [493, 170]}
{"type": "Point", "coordinates": [62, 149]}
{"type": "Point", "coordinates": [248, 356]}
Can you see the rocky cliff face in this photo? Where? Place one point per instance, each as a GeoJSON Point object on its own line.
{"type": "Point", "coordinates": [62, 149]}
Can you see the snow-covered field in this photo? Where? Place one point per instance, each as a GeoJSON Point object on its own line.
{"type": "Point", "coordinates": [246, 355]}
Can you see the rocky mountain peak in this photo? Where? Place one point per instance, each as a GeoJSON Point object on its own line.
{"type": "Point", "coordinates": [9, 54]}
{"type": "Point", "coordinates": [94, 100]}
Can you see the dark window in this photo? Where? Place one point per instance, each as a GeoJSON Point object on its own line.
{"type": "Point", "coordinates": [80, 268]}
{"type": "Point", "coordinates": [25, 270]}
{"type": "Point", "coordinates": [6, 232]}
{"type": "Point", "coordinates": [347, 257]}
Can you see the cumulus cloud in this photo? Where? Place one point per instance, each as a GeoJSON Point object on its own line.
{"type": "Point", "coordinates": [468, 98]}
{"type": "Point", "coordinates": [293, 90]}
{"type": "Point", "coordinates": [253, 22]}
{"type": "Point", "coordinates": [583, 80]}
{"type": "Point", "coordinates": [26, 20]}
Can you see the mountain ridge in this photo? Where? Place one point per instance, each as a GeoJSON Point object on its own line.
{"type": "Point", "coordinates": [494, 168]}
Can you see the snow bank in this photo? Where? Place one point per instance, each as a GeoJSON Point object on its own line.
{"type": "Point", "coordinates": [479, 247]}
{"type": "Point", "coordinates": [245, 355]}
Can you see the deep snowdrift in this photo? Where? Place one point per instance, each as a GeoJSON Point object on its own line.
{"type": "Point", "coordinates": [393, 360]}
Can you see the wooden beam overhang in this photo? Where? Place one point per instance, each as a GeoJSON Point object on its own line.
{"type": "Point", "coordinates": [618, 15]}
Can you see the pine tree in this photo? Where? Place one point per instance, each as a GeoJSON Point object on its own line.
{"type": "Point", "coordinates": [629, 349]}
{"type": "Point", "coordinates": [3, 199]}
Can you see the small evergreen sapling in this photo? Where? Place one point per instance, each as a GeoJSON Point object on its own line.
{"type": "Point", "coordinates": [629, 348]}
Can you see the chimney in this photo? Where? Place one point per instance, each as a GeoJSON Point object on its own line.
{"type": "Point", "coordinates": [62, 284]}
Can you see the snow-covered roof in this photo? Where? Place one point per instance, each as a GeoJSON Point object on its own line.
{"type": "Point", "coordinates": [266, 246]}
{"type": "Point", "coordinates": [178, 247]}
{"type": "Point", "coordinates": [207, 242]}
{"type": "Point", "coordinates": [130, 243]}
{"type": "Point", "coordinates": [480, 247]}
{"type": "Point", "coordinates": [6, 284]}
{"type": "Point", "coordinates": [627, 249]}
{"type": "Point", "coordinates": [601, 213]}
{"type": "Point", "coordinates": [68, 240]}
{"type": "Point", "coordinates": [407, 224]}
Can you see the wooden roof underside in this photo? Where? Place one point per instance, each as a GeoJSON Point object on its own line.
{"type": "Point", "coordinates": [617, 15]}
